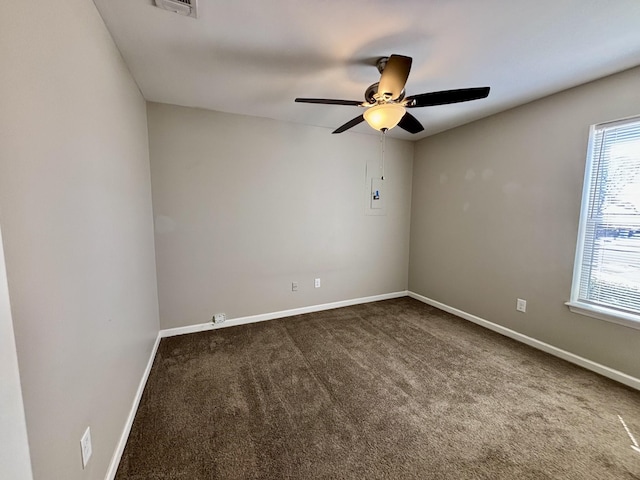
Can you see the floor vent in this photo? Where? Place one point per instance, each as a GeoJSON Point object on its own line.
{"type": "Point", "coordinates": [188, 8]}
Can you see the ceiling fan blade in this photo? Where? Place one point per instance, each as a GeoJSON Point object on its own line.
{"type": "Point", "coordinates": [349, 124]}
{"type": "Point", "coordinates": [410, 123]}
{"type": "Point", "coordinates": [395, 75]}
{"type": "Point", "coordinates": [328, 101]}
{"type": "Point", "coordinates": [447, 96]}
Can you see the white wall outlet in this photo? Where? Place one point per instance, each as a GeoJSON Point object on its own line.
{"type": "Point", "coordinates": [294, 286]}
{"type": "Point", "coordinates": [219, 317]}
{"type": "Point", "coordinates": [317, 283]}
{"type": "Point", "coordinates": [521, 305]}
{"type": "Point", "coordinates": [85, 447]}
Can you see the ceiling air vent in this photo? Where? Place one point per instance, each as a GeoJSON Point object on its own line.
{"type": "Point", "coordinates": [188, 8]}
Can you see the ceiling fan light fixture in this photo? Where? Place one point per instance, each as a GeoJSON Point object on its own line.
{"type": "Point", "coordinates": [384, 116]}
{"type": "Point", "coordinates": [385, 100]}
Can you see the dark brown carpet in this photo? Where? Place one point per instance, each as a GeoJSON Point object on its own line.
{"type": "Point", "coordinates": [386, 390]}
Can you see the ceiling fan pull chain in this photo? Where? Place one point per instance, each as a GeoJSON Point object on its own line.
{"type": "Point", "coordinates": [384, 138]}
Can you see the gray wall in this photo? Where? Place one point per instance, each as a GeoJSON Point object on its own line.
{"type": "Point", "coordinates": [244, 206]}
{"type": "Point", "coordinates": [76, 217]}
{"type": "Point", "coordinates": [495, 213]}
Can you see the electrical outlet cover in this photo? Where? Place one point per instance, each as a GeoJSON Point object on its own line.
{"type": "Point", "coordinates": [85, 446]}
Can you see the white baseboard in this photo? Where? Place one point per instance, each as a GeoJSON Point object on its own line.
{"type": "Point", "coordinates": [532, 342]}
{"type": "Point", "coordinates": [115, 460]}
{"type": "Point", "coordinates": [170, 332]}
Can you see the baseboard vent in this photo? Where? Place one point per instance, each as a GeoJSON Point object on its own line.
{"type": "Point", "coordinates": [187, 8]}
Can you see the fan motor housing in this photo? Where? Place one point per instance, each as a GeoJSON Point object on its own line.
{"type": "Point", "coordinates": [372, 90]}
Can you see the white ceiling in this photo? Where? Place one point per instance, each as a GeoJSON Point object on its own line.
{"type": "Point", "coordinates": [254, 57]}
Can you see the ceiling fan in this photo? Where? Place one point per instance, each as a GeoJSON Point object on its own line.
{"type": "Point", "coordinates": [385, 101]}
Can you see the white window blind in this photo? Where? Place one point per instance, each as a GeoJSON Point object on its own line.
{"type": "Point", "coordinates": [607, 269]}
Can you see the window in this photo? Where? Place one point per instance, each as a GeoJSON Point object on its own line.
{"type": "Point", "coordinates": [606, 279]}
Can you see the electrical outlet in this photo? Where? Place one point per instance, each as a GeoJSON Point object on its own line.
{"type": "Point", "coordinates": [317, 283]}
{"type": "Point", "coordinates": [85, 447]}
{"type": "Point", "coordinates": [294, 286]}
{"type": "Point", "coordinates": [521, 305]}
{"type": "Point", "coordinates": [219, 318]}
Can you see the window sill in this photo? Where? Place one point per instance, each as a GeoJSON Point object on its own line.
{"type": "Point", "coordinates": [607, 314]}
